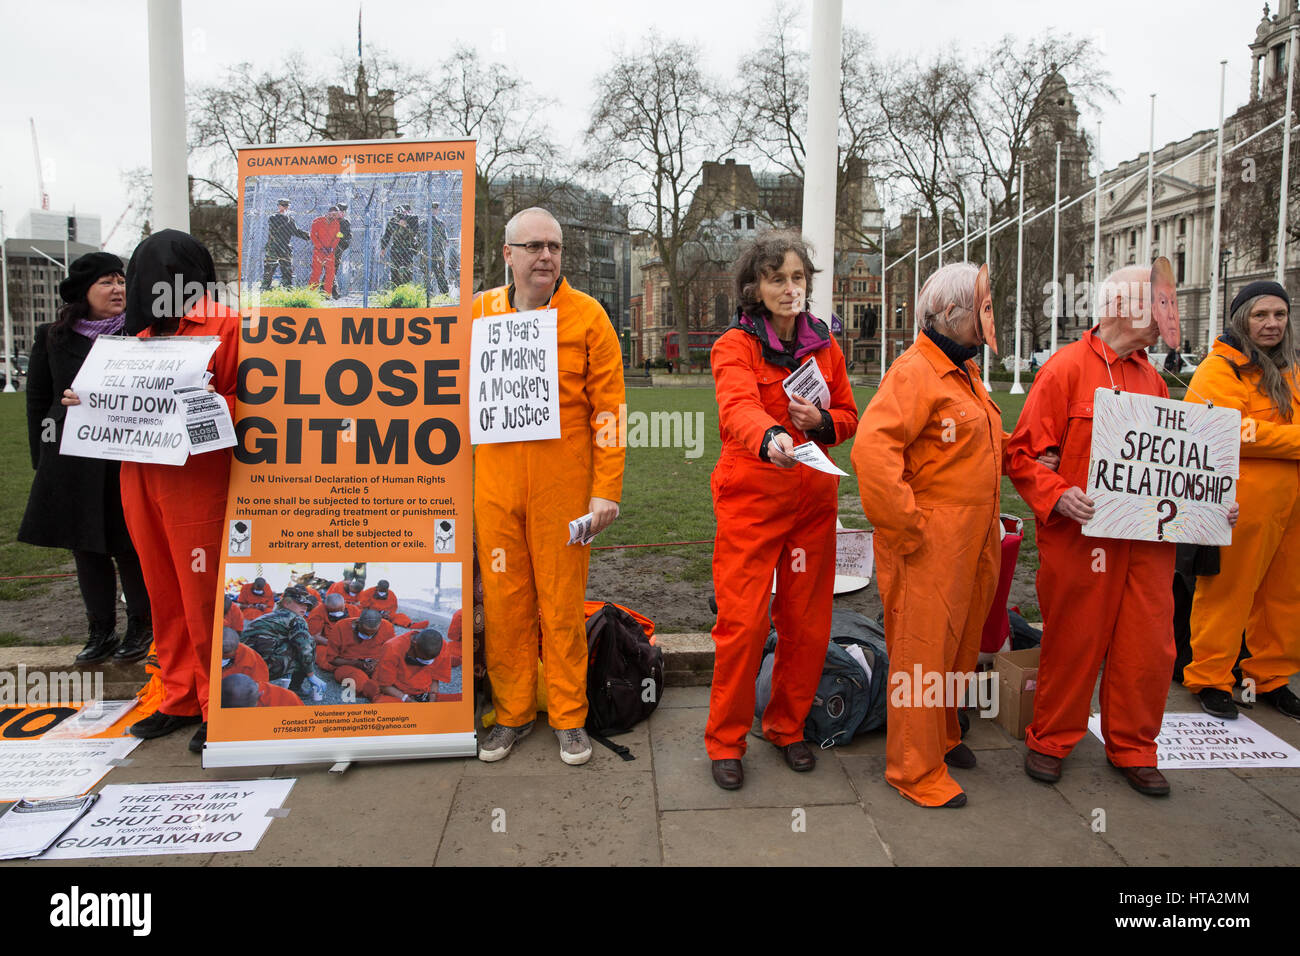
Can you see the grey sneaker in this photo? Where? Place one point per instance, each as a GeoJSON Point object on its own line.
{"type": "Point", "coordinates": [575, 746]}
{"type": "Point", "coordinates": [500, 739]}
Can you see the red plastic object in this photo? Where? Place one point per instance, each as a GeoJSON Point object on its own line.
{"type": "Point", "coordinates": [997, 626]}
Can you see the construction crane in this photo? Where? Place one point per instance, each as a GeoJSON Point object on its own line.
{"type": "Point", "coordinates": [129, 207]}
{"type": "Point", "coordinates": [40, 175]}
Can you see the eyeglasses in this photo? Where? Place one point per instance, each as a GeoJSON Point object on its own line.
{"type": "Point", "coordinates": [536, 246]}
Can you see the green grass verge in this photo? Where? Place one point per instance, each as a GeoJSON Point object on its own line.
{"type": "Point", "coordinates": [16, 476]}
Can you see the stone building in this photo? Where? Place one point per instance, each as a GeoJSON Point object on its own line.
{"type": "Point", "coordinates": [33, 281]}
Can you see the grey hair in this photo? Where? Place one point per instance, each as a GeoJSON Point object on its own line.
{"type": "Point", "coordinates": [1127, 283]}
{"type": "Point", "coordinates": [951, 285]}
{"type": "Point", "coordinates": [512, 227]}
{"type": "Point", "coordinates": [1276, 366]}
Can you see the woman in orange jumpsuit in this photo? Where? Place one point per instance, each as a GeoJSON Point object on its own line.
{"type": "Point", "coordinates": [1252, 367]}
{"type": "Point", "coordinates": [772, 512]}
{"type": "Point", "coordinates": [929, 460]}
{"type": "Point", "coordinates": [175, 514]}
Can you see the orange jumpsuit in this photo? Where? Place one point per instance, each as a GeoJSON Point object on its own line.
{"type": "Point", "coordinates": [452, 639]}
{"type": "Point", "coordinates": [325, 236]}
{"type": "Point", "coordinates": [385, 606]}
{"type": "Point", "coordinates": [770, 518]}
{"type": "Point", "coordinates": [342, 641]}
{"type": "Point", "coordinates": [1257, 588]}
{"type": "Point", "coordinates": [929, 460]}
{"type": "Point", "coordinates": [175, 516]}
{"type": "Point", "coordinates": [273, 695]}
{"type": "Point", "coordinates": [340, 587]}
{"type": "Point", "coordinates": [235, 617]}
{"type": "Point", "coordinates": [1103, 599]}
{"type": "Point", "coordinates": [393, 670]}
{"type": "Point", "coordinates": [247, 661]}
{"type": "Point", "coordinates": [525, 495]}
{"type": "Point", "coordinates": [263, 603]}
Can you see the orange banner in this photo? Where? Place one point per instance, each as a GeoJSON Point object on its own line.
{"type": "Point", "coordinates": [349, 515]}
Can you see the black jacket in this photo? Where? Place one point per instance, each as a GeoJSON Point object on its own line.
{"type": "Point", "coordinates": [280, 230]}
{"type": "Point", "coordinates": [74, 502]}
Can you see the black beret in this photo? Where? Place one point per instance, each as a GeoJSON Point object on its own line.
{"type": "Point", "coordinates": [1253, 289]}
{"type": "Point", "coordinates": [86, 271]}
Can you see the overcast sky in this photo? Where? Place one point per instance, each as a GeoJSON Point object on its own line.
{"type": "Point", "coordinates": [81, 70]}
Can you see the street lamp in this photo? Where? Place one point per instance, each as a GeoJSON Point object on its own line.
{"type": "Point", "coordinates": [1224, 256]}
{"type": "Point", "coordinates": [1088, 269]}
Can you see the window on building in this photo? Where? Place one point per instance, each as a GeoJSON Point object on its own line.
{"type": "Point", "coordinates": [1182, 267]}
{"type": "Point", "coordinates": [735, 221]}
{"type": "Point", "coordinates": [721, 310]}
{"type": "Point", "coordinates": [1132, 237]}
{"type": "Point", "coordinates": [749, 221]}
{"type": "Point", "coordinates": [1155, 232]}
{"type": "Point", "coordinates": [1182, 226]}
{"type": "Point", "coordinates": [859, 316]}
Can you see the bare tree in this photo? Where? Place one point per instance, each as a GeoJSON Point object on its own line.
{"type": "Point", "coordinates": [1253, 181]}
{"type": "Point", "coordinates": [657, 118]}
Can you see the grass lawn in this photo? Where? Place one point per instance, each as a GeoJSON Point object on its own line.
{"type": "Point", "coordinates": [15, 482]}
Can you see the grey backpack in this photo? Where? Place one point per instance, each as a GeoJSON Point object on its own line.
{"type": "Point", "coordinates": [848, 702]}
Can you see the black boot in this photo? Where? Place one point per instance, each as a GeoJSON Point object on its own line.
{"type": "Point", "coordinates": [100, 645]}
{"type": "Point", "coordinates": [135, 645]}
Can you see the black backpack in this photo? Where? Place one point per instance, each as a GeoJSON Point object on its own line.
{"type": "Point", "coordinates": [625, 675]}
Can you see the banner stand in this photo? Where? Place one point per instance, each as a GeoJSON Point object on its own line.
{"type": "Point", "coordinates": [266, 753]}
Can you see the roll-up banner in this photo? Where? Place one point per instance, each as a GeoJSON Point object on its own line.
{"type": "Point", "coordinates": [349, 516]}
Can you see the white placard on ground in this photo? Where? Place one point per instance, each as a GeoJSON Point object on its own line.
{"type": "Point", "coordinates": [91, 719]}
{"type": "Point", "coordinates": [854, 560]}
{"type": "Point", "coordinates": [1199, 741]}
{"type": "Point", "coordinates": [32, 825]}
{"type": "Point", "coordinates": [1162, 470]}
{"type": "Point", "coordinates": [149, 819]}
{"type": "Point", "coordinates": [129, 408]}
{"type": "Point", "coordinates": [514, 378]}
{"type": "Point", "coordinates": [36, 769]}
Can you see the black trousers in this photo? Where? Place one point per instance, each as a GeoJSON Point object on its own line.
{"type": "Point", "coordinates": [284, 264]}
{"type": "Point", "coordinates": [98, 583]}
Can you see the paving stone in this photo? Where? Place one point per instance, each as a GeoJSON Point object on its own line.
{"type": "Point", "coordinates": [1009, 821]}
{"type": "Point", "coordinates": [682, 771]}
{"type": "Point", "coordinates": [842, 835]}
{"type": "Point", "coordinates": [685, 697]}
{"type": "Point", "coordinates": [564, 819]}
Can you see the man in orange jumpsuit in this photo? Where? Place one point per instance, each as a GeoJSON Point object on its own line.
{"type": "Point", "coordinates": [773, 514]}
{"type": "Point", "coordinates": [332, 610]}
{"type": "Point", "coordinates": [175, 514]}
{"type": "Point", "coordinates": [1257, 589]}
{"type": "Point", "coordinates": [929, 460]}
{"type": "Point", "coordinates": [410, 668]}
{"type": "Point", "coordinates": [237, 658]}
{"type": "Point", "coordinates": [352, 642]}
{"type": "Point", "coordinates": [234, 614]}
{"type": "Point", "coordinates": [381, 598]}
{"type": "Point", "coordinates": [350, 589]}
{"type": "Point", "coordinates": [526, 493]}
{"type": "Point", "coordinates": [240, 690]}
{"type": "Point", "coordinates": [325, 236]}
{"type": "Point", "coordinates": [256, 598]}
{"type": "Point", "coordinates": [1103, 600]}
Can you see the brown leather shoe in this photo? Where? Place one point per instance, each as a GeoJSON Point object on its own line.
{"type": "Point", "coordinates": [1042, 766]}
{"type": "Point", "coordinates": [1147, 780]}
{"type": "Point", "coordinates": [728, 774]}
{"type": "Point", "coordinates": [799, 757]}
{"type": "Point", "coordinates": [960, 757]}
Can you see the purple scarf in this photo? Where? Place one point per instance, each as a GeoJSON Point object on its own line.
{"type": "Point", "coordinates": [92, 328]}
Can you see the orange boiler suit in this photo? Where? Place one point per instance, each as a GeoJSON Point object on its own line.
{"type": "Point", "coordinates": [342, 641]}
{"type": "Point", "coordinates": [1104, 600]}
{"type": "Point", "coordinates": [273, 695]}
{"type": "Point", "coordinates": [176, 516]}
{"type": "Point", "coordinates": [263, 603]}
{"type": "Point", "coordinates": [771, 518]}
{"type": "Point", "coordinates": [1257, 589]}
{"type": "Point", "coordinates": [247, 661]}
{"type": "Point", "coordinates": [318, 617]}
{"type": "Point", "coordinates": [235, 617]}
{"type": "Point", "coordinates": [385, 605]}
{"type": "Point", "coordinates": [525, 495]}
{"type": "Point", "coordinates": [325, 236]}
{"type": "Point", "coordinates": [340, 587]}
{"type": "Point", "coordinates": [393, 670]}
{"type": "Point", "coordinates": [929, 458]}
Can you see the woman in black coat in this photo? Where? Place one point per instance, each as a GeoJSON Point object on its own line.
{"type": "Point", "coordinates": [75, 502]}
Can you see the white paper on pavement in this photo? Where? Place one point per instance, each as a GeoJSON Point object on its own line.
{"type": "Point", "coordinates": [155, 818]}
{"type": "Point", "coordinates": [808, 383]}
{"type": "Point", "coordinates": [93, 718]}
{"type": "Point", "coordinates": [514, 378]}
{"type": "Point", "coordinates": [853, 553]}
{"type": "Point", "coordinates": [35, 769]}
{"type": "Point", "coordinates": [809, 454]}
{"type": "Point", "coordinates": [31, 826]}
{"type": "Point", "coordinates": [129, 409]}
{"type": "Point", "coordinates": [207, 420]}
{"type": "Point", "coordinates": [1200, 742]}
{"type": "Point", "coordinates": [580, 530]}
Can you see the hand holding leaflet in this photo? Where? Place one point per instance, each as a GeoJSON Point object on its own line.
{"type": "Point", "coordinates": [580, 530]}
{"type": "Point", "coordinates": [811, 455]}
{"type": "Point", "coordinates": [808, 383]}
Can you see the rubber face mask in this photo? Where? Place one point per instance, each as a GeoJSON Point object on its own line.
{"type": "Point", "coordinates": [1164, 302]}
{"type": "Point", "coordinates": [986, 328]}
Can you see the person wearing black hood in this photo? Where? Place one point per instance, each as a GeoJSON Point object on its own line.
{"type": "Point", "coordinates": [75, 502]}
{"type": "Point", "coordinates": [175, 514]}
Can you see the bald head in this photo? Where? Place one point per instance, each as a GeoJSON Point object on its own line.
{"type": "Point", "coordinates": [1124, 314]}
{"type": "Point", "coordinates": [229, 641]}
{"type": "Point", "coordinates": [526, 218]}
{"type": "Point", "coordinates": [369, 621]}
{"type": "Point", "coordinates": [239, 690]}
{"type": "Point", "coordinates": [335, 602]}
{"type": "Point", "coordinates": [427, 644]}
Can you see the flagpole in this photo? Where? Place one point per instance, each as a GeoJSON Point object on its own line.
{"type": "Point", "coordinates": [1212, 332]}
{"type": "Point", "coordinates": [884, 302]}
{"type": "Point", "coordinates": [988, 260]}
{"type": "Point", "coordinates": [1151, 165]}
{"type": "Point", "coordinates": [1016, 387]}
{"type": "Point", "coordinates": [916, 277]}
{"type": "Point", "coordinates": [1286, 159]}
{"type": "Point", "coordinates": [1056, 252]}
{"type": "Point", "coordinates": [1096, 218]}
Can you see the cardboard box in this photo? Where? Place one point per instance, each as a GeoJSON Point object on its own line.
{"type": "Point", "coordinates": [1017, 680]}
